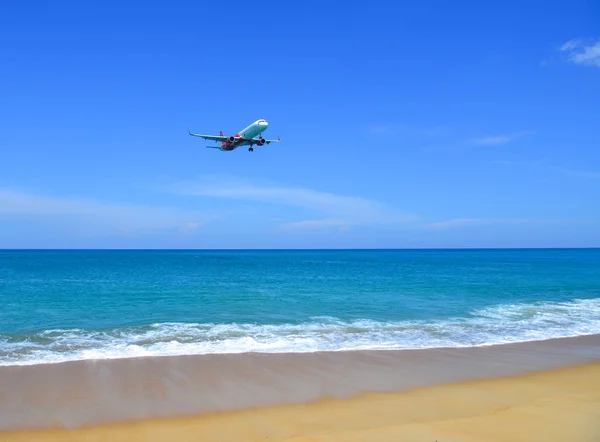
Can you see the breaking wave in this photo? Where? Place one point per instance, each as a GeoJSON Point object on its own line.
{"type": "Point", "coordinates": [495, 325]}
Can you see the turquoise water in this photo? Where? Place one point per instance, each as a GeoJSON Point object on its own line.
{"type": "Point", "coordinates": [68, 305]}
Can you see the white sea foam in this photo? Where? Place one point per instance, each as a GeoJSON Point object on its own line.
{"type": "Point", "coordinates": [496, 325]}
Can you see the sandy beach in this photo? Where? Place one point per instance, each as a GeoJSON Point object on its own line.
{"type": "Point", "coordinates": [546, 391]}
{"type": "Point", "coordinates": [558, 405]}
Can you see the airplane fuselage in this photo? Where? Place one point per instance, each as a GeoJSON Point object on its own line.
{"type": "Point", "coordinates": [245, 136]}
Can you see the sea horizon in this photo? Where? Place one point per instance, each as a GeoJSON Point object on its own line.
{"type": "Point", "coordinates": [150, 249]}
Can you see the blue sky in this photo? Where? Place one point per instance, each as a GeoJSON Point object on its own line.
{"type": "Point", "coordinates": [403, 124]}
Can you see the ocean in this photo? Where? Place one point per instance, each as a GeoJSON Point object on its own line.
{"type": "Point", "coordinates": [60, 306]}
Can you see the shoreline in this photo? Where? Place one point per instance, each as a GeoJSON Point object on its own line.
{"type": "Point", "coordinates": [299, 352]}
{"type": "Point", "coordinates": [83, 393]}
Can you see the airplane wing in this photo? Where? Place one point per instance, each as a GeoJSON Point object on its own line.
{"type": "Point", "coordinates": [255, 141]}
{"type": "Point", "coordinates": [209, 137]}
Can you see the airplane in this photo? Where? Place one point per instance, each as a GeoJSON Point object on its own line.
{"type": "Point", "coordinates": [243, 138]}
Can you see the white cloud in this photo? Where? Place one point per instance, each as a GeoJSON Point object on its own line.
{"type": "Point", "coordinates": [469, 222]}
{"type": "Point", "coordinates": [544, 165]}
{"type": "Point", "coordinates": [337, 210]}
{"type": "Point", "coordinates": [580, 52]}
{"type": "Point", "coordinates": [492, 140]}
{"type": "Point", "coordinates": [579, 173]}
{"type": "Point", "coordinates": [389, 129]}
{"type": "Point", "coordinates": [318, 224]}
{"type": "Point", "coordinates": [91, 215]}
{"type": "Point", "coordinates": [385, 129]}
{"type": "Point", "coordinates": [189, 227]}
{"type": "Point", "coordinates": [465, 222]}
{"type": "Point", "coordinates": [569, 45]}
{"type": "Point", "coordinates": [444, 136]}
{"type": "Point", "coordinates": [496, 140]}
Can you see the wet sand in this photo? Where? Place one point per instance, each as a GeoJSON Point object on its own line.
{"type": "Point", "coordinates": [461, 394]}
{"type": "Point", "coordinates": [552, 406]}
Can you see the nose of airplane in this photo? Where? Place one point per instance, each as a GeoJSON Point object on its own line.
{"type": "Point", "coordinates": [264, 124]}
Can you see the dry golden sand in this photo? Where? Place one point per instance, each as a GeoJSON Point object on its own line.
{"type": "Point", "coordinates": [558, 405]}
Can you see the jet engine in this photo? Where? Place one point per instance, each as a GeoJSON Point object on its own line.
{"type": "Point", "coordinates": [261, 141]}
{"type": "Point", "coordinates": [230, 139]}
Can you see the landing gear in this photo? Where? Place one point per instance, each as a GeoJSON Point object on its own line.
{"type": "Point", "coordinates": [250, 149]}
